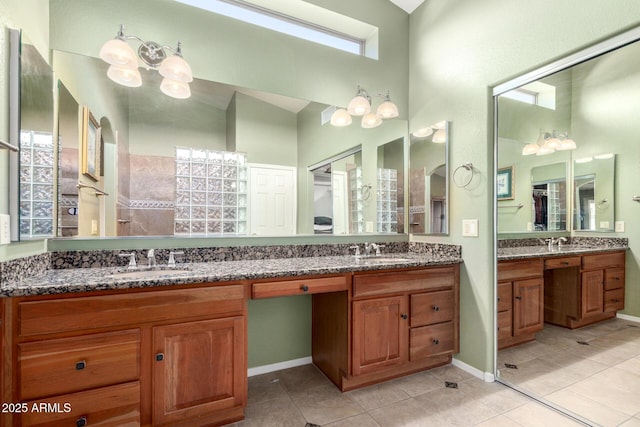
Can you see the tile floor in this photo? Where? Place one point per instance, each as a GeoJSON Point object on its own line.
{"type": "Point", "coordinates": [593, 371]}
{"type": "Point", "coordinates": [303, 396]}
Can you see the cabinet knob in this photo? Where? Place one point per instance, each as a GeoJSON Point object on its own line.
{"type": "Point", "coordinates": [436, 308]}
{"type": "Point", "coordinates": [81, 365]}
{"type": "Point", "coordinates": [304, 288]}
{"type": "Point", "coordinates": [519, 298]}
{"type": "Point", "coordinates": [404, 316]}
{"type": "Point", "coordinates": [159, 357]}
{"type": "Point", "coordinates": [565, 263]}
{"type": "Point", "coordinates": [436, 341]}
{"type": "Point", "coordinates": [81, 422]}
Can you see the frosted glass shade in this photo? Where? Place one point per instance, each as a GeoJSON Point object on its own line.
{"type": "Point", "coordinates": [423, 133]}
{"type": "Point", "coordinates": [387, 110]}
{"type": "Point", "coordinates": [118, 52]}
{"type": "Point", "coordinates": [125, 76]}
{"type": "Point", "coordinates": [567, 144]}
{"type": "Point", "coordinates": [175, 89]}
{"type": "Point", "coordinates": [370, 121]}
{"type": "Point", "coordinates": [340, 118]}
{"type": "Point", "coordinates": [359, 106]}
{"type": "Point", "coordinates": [545, 149]}
{"type": "Point", "coordinates": [440, 137]}
{"type": "Point", "coordinates": [530, 149]}
{"type": "Point", "coordinates": [176, 68]}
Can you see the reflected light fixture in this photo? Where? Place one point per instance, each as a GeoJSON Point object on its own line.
{"type": "Point", "coordinates": [360, 105]}
{"type": "Point", "coordinates": [123, 61]}
{"type": "Point", "coordinates": [548, 143]}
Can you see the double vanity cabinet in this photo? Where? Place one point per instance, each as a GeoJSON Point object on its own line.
{"type": "Point", "coordinates": [176, 355]}
{"type": "Point", "coordinates": [569, 290]}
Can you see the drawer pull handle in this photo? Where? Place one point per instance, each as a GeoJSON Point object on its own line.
{"type": "Point", "coordinates": [81, 422]}
{"type": "Point", "coordinates": [565, 263]}
{"type": "Point", "coordinates": [519, 298]}
{"type": "Point", "coordinates": [404, 316]}
{"type": "Point", "coordinates": [159, 357]}
{"type": "Point", "coordinates": [436, 308]}
{"type": "Point", "coordinates": [81, 365]}
{"type": "Point", "coordinates": [304, 288]}
{"type": "Point", "coordinates": [615, 300]}
{"type": "Point", "coordinates": [436, 341]}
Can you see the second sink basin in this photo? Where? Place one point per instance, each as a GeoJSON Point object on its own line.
{"type": "Point", "coordinates": [141, 274]}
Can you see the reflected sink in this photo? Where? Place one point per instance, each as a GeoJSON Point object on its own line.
{"type": "Point", "coordinates": [142, 274]}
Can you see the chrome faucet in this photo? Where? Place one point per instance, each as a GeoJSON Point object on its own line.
{"type": "Point", "coordinates": [369, 247]}
{"type": "Point", "coordinates": [561, 240]}
{"type": "Point", "coordinates": [151, 258]}
{"type": "Point", "coordinates": [132, 260]}
{"type": "Point", "coordinates": [172, 261]}
{"type": "Point", "coordinates": [357, 248]}
{"type": "Point", "coordinates": [551, 241]}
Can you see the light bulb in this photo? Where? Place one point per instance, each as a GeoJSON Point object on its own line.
{"type": "Point", "coordinates": [359, 106]}
{"type": "Point", "coordinates": [175, 89]}
{"type": "Point", "coordinates": [125, 76]}
{"type": "Point", "coordinates": [340, 118]}
{"type": "Point", "coordinates": [387, 110]}
{"type": "Point", "coordinates": [176, 68]}
{"type": "Point", "coordinates": [370, 121]}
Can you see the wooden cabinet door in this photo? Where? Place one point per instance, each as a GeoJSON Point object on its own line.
{"type": "Point", "coordinates": [380, 333]}
{"type": "Point", "coordinates": [592, 292]}
{"type": "Point", "coordinates": [528, 306]}
{"type": "Point", "coordinates": [198, 368]}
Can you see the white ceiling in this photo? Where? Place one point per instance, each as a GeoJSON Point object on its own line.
{"type": "Point", "coordinates": [407, 5]}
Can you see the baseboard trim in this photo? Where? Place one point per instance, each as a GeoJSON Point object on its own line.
{"type": "Point", "coordinates": [627, 317]}
{"type": "Point", "coordinates": [485, 376]}
{"type": "Point", "coordinates": [265, 369]}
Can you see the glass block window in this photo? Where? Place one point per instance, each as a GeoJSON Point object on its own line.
{"type": "Point", "coordinates": [387, 199]}
{"type": "Point", "coordinates": [36, 184]}
{"type": "Point", "coordinates": [356, 200]}
{"type": "Point", "coordinates": [211, 192]}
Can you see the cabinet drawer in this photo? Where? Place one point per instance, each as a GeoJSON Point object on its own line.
{"type": "Point", "coordinates": [404, 281]}
{"type": "Point", "coordinates": [603, 260]}
{"type": "Point", "coordinates": [562, 262]}
{"type": "Point", "coordinates": [505, 322]}
{"type": "Point", "coordinates": [431, 340]}
{"type": "Point", "coordinates": [67, 365]}
{"type": "Point", "coordinates": [505, 296]}
{"type": "Point", "coordinates": [298, 287]}
{"type": "Point", "coordinates": [131, 308]}
{"type": "Point", "coordinates": [432, 307]}
{"type": "Point", "coordinates": [510, 270]}
{"type": "Point", "coordinates": [613, 278]}
{"type": "Point", "coordinates": [115, 406]}
{"type": "Point", "coordinates": [614, 300]}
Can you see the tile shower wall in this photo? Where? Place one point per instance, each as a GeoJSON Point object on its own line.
{"type": "Point", "coordinates": [357, 195]}
{"type": "Point", "coordinates": [387, 196]}
{"type": "Point", "coordinates": [68, 193]}
{"type": "Point", "coordinates": [36, 184]}
{"type": "Point", "coordinates": [417, 201]}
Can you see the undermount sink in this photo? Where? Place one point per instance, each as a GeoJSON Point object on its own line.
{"type": "Point", "coordinates": [141, 274]}
{"type": "Point", "coordinates": [383, 259]}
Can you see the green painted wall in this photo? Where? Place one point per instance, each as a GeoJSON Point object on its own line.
{"type": "Point", "coordinates": [458, 51]}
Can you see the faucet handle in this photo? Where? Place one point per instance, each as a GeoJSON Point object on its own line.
{"type": "Point", "coordinates": [357, 248]}
{"type": "Point", "coordinates": [172, 260]}
{"type": "Point", "coordinates": [132, 260]}
{"type": "Point", "coordinates": [378, 253]}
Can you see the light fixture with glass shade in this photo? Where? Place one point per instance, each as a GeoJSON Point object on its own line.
{"type": "Point", "coordinates": [360, 105]}
{"type": "Point", "coordinates": [123, 62]}
{"type": "Point", "coordinates": [548, 143]}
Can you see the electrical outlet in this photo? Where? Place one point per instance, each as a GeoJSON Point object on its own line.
{"type": "Point", "coordinates": [94, 227]}
{"type": "Point", "coordinates": [619, 227]}
{"type": "Point", "coordinates": [529, 226]}
{"type": "Point", "coordinates": [469, 228]}
{"type": "Point", "coordinates": [5, 229]}
{"type": "Point", "coordinates": [368, 227]}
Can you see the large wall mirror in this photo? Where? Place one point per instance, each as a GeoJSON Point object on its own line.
{"type": "Point", "coordinates": [428, 180]}
{"type": "Point", "coordinates": [567, 152]}
{"type": "Point", "coordinates": [223, 162]}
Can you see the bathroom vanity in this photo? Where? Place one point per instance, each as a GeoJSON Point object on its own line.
{"type": "Point", "coordinates": [570, 287]}
{"type": "Point", "coordinates": [171, 350]}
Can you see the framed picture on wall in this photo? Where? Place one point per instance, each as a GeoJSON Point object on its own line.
{"type": "Point", "coordinates": [90, 145]}
{"type": "Point", "coordinates": [504, 185]}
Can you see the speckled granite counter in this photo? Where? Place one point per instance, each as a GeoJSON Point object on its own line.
{"type": "Point", "coordinates": [519, 249]}
{"type": "Point", "coordinates": [92, 279]}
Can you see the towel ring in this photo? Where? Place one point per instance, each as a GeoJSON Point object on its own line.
{"type": "Point", "coordinates": [466, 166]}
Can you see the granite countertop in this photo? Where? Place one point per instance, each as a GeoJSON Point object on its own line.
{"type": "Point", "coordinates": [108, 278]}
{"type": "Point", "coordinates": [523, 252]}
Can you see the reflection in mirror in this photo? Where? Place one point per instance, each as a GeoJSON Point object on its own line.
{"type": "Point", "coordinates": [549, 195]}
{"type": "Point", "coordinates": [593, 181]}
{"type": "Point", "coordinates": [37, 146]}
{"type": "Point", "coordinates": [69, 140]}
{"type": "Point", "coordinates": [339, 194]}
{"type": "Point", "coordinates": [428, 180]}
{"type": "Point", "coordinates": [390, 184]}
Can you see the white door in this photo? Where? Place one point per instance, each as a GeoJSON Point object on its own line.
{"type": "Point", "coordinates": [340, 188]}
{"type": "Point", "coordinates": [272, 200]}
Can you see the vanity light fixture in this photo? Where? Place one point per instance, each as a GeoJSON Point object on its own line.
{"type": "Point", "coordinates": [360, 105]}
{"type": "Point", "coordinates": [438, 131]}
{"type": "Point", "coordinates": [548, 143]}
{"type": "Point", "coordinates": [123, 62]}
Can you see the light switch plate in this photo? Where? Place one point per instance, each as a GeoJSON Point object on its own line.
{"type": "Point", "coordinates": [5, 229]}
{"type": "Point", "coordinates": [469, 228]}
{"type": "Point", "coordinates": [604, 224]}
{"type": "Point", "coordinates": [94, 227]}
{"type": "Point", "coordinates": [368, 227]}
{"type": "Point", "coordinates": [619, 226]}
